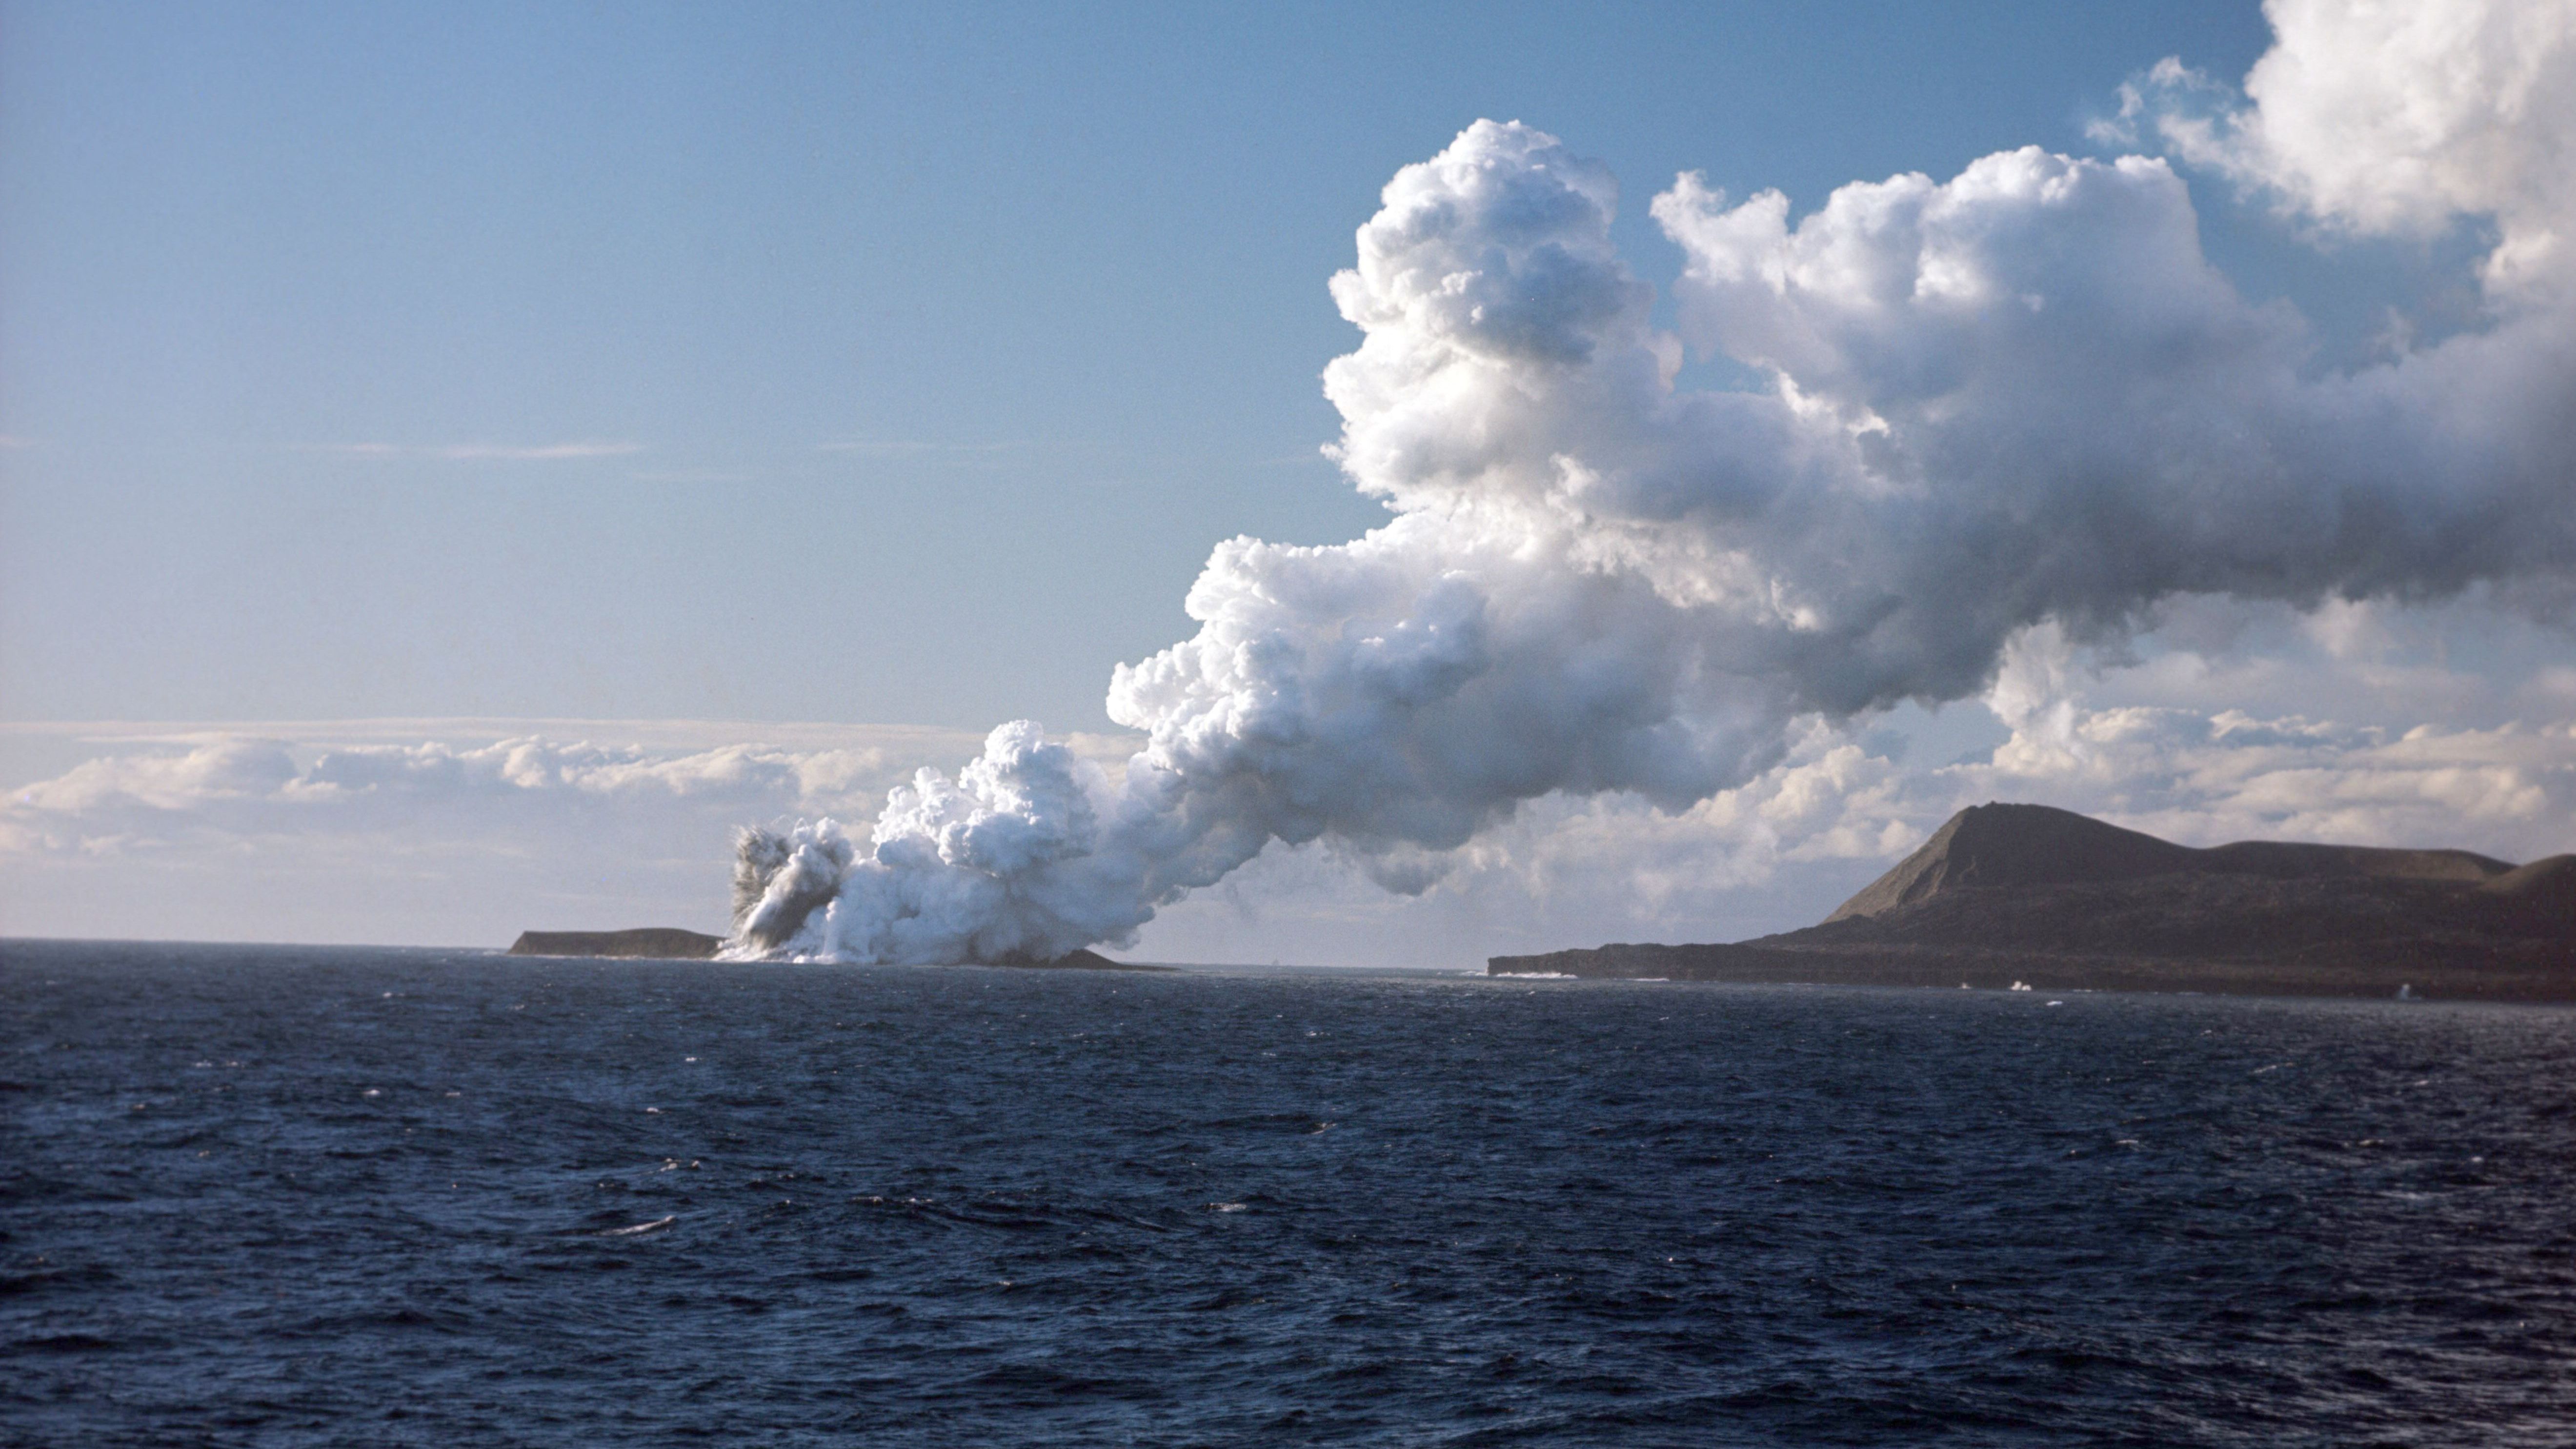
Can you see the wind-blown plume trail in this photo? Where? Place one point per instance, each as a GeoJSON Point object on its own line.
{"type": "Point", "coordinates": [2017, 396]}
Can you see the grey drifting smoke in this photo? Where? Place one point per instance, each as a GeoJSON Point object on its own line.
{"type": "Point", "coordinates": [2016, 396]}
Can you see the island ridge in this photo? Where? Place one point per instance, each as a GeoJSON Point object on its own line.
{"type": "Point", "coordinates": [2027, 894]}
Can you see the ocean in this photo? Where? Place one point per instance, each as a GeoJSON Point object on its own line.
{"type": "Point", "coordinates": [327, 1196]}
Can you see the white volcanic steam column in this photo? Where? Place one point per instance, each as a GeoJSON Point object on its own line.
{"type": "Point", "coordinates": [2020, 395]}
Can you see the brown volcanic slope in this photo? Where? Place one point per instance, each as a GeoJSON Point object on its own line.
{"type": "Point", "coordinates": [2007, 893]}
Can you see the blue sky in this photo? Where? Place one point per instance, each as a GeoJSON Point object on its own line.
{"type": "Point", "coordinates": [461, 459]}
{"type": "Point", "coordinates": [1056, 276]}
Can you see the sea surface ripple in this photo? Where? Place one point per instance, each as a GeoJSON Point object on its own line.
{"type": "Point", "coordinates": [309, 1196]}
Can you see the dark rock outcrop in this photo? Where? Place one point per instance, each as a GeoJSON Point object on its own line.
{"type": "Point", "coordinates": [662, 942]}
{"type": "Point", "coordinates": [2023, 893]}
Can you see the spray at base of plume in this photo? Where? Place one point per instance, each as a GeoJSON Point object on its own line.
{"type": "Point", "coordinates": [780, 879]}
{"type": "Point", "coordinates": [1008, 863]}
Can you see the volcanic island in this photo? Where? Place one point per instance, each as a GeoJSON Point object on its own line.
{"type": "Point", "coordinates": [2025, 895]}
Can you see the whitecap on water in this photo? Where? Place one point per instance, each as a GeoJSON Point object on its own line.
{"type": "Point", "coordinates": [628, 1232]}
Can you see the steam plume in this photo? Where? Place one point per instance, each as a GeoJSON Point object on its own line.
{"type": "Point", "coordinates": [2021, 395]}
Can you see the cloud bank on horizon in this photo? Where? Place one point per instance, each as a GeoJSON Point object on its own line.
{"type": "Point", "coordinates": [2015, 400]}
{"type": "Point", "coordinates": [1626, 646]}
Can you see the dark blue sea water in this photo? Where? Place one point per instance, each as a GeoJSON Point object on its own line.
{"type": "Point", "coordinates": [288, 1196]}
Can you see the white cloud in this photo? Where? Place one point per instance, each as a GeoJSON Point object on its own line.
{"type": "Point", "coordinates": [370, 831]}
{"type": "Point", "coordinates": [2397, 118]}
{"type": "Point", "coordinates": [2257, 727]}
{"type": "Point", "coordinates": [1781, 850]}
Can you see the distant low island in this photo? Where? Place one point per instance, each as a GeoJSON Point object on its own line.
{"type": "Point", "coordinates": [664, 943]}
{"type": "Point", "coordinates": [2006, 895]}
{"type": "Point", "coordinates": [669, 943]}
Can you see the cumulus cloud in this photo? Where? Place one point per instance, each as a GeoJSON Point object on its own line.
{"type": "Point", "coordinates": [250, 786]}
{"type": "Point", "coordinates": [2202, 775]}
{"type": "Point", "coordinates": [2089, 734]}
{"type": "Point", "coordinates": [2396, 119]}
{"type": "Point", "coordinates": [369, 831]}
{"type": "Point", "coordinates": [345, 777]}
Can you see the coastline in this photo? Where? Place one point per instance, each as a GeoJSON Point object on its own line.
{"type": "Point", "coordinates": [2537, 980]}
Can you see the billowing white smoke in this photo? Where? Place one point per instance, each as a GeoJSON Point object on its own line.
{"type": "Point", "coordinates": [2020, 395]}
